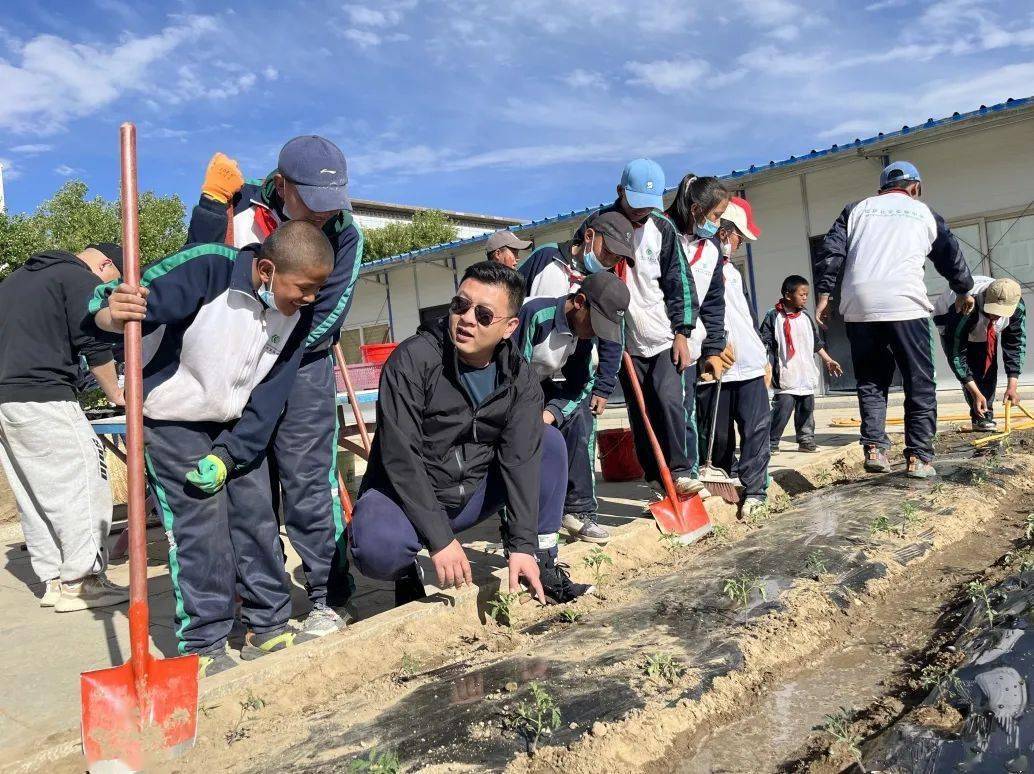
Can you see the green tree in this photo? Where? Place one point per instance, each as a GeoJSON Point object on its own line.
{"type": "Point", "coordinates": [429, 227]}
{"type": "Point", "coordinates": [70, 221]}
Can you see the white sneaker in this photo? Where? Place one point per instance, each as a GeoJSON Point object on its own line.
{"type": "Point", "coordinates": [704, 493]}
{"type": "Point", "coordinates": [51, 594]}
{"type": "Point", "coordinates": [91, 591]}
{"type": "Point", "coordinates": [321, 621]}
{"type": "Point", "coordinates": [752, 506]}
{"type": "Point", "coordinates": [685, 485]}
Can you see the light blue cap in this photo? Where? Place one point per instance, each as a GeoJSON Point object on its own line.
{"type": "Point", "coordinates": [643, 183]}
{"type": "Point", "coordinates": [899, 170]}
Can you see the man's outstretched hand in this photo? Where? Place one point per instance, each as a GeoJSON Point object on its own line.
{"type": "Point", "coordinates": [524, 566]}
{"type": "Point", "coordinates": [126, 302]}
{"type": "Point", "coordinates": [452, 566]}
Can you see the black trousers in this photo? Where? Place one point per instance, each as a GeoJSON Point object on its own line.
{"type": "Point", "coordinates": [664, 391]}
{"type": "Point", "coordinates": [987, 382]}
{"type": "Point", "coordinates": [802, 407]}
{"type": "Point", "coordinates": [875, 349]}
{"type": "Point", "coordinates": [742, 407]}
{"type": "Point", "coordinates": [579, 431]}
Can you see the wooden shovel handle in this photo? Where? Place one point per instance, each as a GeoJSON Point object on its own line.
{"type": "Point", "coordinates": [662, 466]}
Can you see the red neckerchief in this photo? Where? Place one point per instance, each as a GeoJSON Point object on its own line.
{"type": "Point", "coordinates": [621, 270]}
{"type": "Point", "coordinates": [787, 329]}
{"type": "Point", "coordinates": [265, 222]}
{"type": "Point", "coordinates": [992, 346]}
{"type": "Point", "coordinates": [699, 253]}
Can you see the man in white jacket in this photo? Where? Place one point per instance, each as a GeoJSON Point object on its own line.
{"type": "Point", "coordinates": [880, 246]}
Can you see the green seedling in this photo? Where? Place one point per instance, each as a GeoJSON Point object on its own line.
{"type": "Point", "coordinates": [720, 533]}
{"type": "Point", "coordinates": [838, 726]}
{"type": "Point", "coordinates": [779, 502]}
{"type": "Point", "coordinates": [879, 524]}
{"type": "Point", "coordinates": [979, 477]}
{"type": "Point", "coordinates": [759, 514]}
{"type": "Point", "coordinates": [672, 544]}
{"type": "Point", "coordinates": [740, 589]}
{"type": "Point", "coordinates": [980, 595]}
{"type": "Point", "coordinates": [815, 564]}
{"type": "Point", "coordinates": [570, 615]}
{"type": "Point", "coordinates": [1029, 531]}
{"type": "Point", "coordinates": [597, 560]}
{"type": "Point", "coordinates": [824, 477]}
{"type": "Point", "coordinates": [910, 516]}
{"type": "Point", "coordinates": [661, 666]}
{"type": "Point", "coordinates": [408, 667]}
{"type": "Point", "coordinates": [937, 488]}
{"type": "Point", "coordinates": [386, 762]}
{"type": "Point", "coordinates": [945, 680]}
{"type": "Point", "coordinates": [502, 607]}
{"type": "Point", "coordinates": [536, 717]}
{"type": "Point", "coordinates": [1023, 559]}
{"type": "Point", "coordinates": [249, 706]}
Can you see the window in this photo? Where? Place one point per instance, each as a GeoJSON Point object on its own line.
{"type": "Point", "coordinates": [1012, 248]}
{"type": "Point", "coordinates": [969, 240]}
{"type": "Point", "coordinates": [353, 338]}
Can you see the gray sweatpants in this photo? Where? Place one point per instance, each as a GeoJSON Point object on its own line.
{"type": "Point", "coordinates": [55, 466]}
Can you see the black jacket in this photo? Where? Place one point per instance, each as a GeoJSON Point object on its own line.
{"type": "Point", "coordinates": [432, 446]}
{"type": "Point", "coordinates": [42, 306]}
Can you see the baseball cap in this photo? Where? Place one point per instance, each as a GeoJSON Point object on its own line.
{"type": "Point", "coordinates": [111, 251]}
{"type": "Point", "coordinates": [643, 183]}
{"type": "Point", "coordinates": [506, 238]}
{"type": "Point", "coordinates": [608, 299]}
{"type": "Point", "coordinates": [318, 170]}
{"type": "Point", "coordinates": [617, 233]}
{"type": "Point", "coordinates": [740, 214]}
{"type": "Point", "coordinates": [1002, 297]}
{"type": "Point", "coordinates": [899, 170]}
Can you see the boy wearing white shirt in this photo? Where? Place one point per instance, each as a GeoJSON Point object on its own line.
{"type": "Point", "coordinates": [792, 338]}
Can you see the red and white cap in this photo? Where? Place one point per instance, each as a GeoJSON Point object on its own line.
{"type": "Point", "coordinates": [741, 215]}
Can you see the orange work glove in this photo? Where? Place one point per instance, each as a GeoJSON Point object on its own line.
{"type": "Point", "coordinates": [716, 365]}
{"type": "Point", "coordinates": [223, 178]}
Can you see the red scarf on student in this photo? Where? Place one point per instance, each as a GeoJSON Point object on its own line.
{"type": "Point", "coordinates": [992, 346]}
{"type": "Point", "coordinates": [265, 221]}
{"type": "Point", "coordinates": [787, 330]}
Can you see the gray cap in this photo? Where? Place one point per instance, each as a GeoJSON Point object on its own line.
{"type": "Point", "coordinates": [608, 299]}
{"type": "Point", "coordinates": [318, 170]}
{"type": "Point", "coordinates": [617, 232]}
{"type": "Point", "coordinates": [506, 238]}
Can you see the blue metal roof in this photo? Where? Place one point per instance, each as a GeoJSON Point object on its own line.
{"type": "Point", "coordinates": [904, 131]}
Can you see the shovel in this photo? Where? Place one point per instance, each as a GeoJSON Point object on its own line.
{"type": "Point", "coordinates": [674, 515]}
{"type": "Point", "coordinates": [140, 713]}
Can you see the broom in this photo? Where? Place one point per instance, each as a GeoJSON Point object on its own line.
{"type": "Point", "coordinates": [715, 479]}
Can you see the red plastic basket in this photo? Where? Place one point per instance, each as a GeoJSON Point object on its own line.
{"type": "Point", "coordinates": [376, 353]}
{"type": "Point", "coordinates": [364, 376]}
{"type": "Point", "coordinates": [618, 460]}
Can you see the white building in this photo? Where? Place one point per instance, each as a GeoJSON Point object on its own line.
{"type": "Point", "coordinates": [978, 172]}
{"type": "Point", "coordinates": [371, 214]}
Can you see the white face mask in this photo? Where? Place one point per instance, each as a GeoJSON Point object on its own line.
{"type": "Point", "coordinates": [726, 249]}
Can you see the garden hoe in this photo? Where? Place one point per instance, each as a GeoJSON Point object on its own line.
{"type": "Point", "coordinates": [685, 517]}
{"type": "Point", "coordinates": [138, 714]}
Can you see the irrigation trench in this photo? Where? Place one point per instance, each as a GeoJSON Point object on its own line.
{"type": "Point", "coordinates": [793, 643]}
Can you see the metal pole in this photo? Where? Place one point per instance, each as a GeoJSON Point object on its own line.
{"type": "Point", "coordinates": [387, 296]}
{"type": "Point", "coordinates": [134, 383]}
{"type": "Point", "coordinates": [455, 275]}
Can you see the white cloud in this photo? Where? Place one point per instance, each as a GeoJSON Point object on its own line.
{"type": "Point", "coordinates": [667, 76]}
{"type": "Point", "coordinates": [585, 79]}
{"type": "Point", "coordinates": [882, 5]}
{"type": "Point", "coordinates": [271, 73]}
{"type": "Point", "coordinates": [32, 149]}
{"type": "Point", "coordinates": [364, 19]}
{"type": "Point", "coordinates": [64, 170]}
{"type": "Point", "coordinates": [363, 38]}
{"type": "Point", "coordinates": [56, 80]}
{"type": "Point", "coordinates": [10, 171]}
{"type": "Point", "coordinates": [786, 33]}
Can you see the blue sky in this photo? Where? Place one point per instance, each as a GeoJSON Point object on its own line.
{"type": "Point", "coordinates": [524, 109]}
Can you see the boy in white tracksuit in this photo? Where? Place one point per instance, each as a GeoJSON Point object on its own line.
{"type": "Point", "coordinates": [744, 395]}
{"type": "Point", "coordinates": [793, 339]}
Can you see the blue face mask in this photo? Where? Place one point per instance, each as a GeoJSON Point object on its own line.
{"type": "Point", "coordinates": [706, 230]}
{"type": "Point", "coordinates": [592, 263]}
{"type": "Point", "coordinates": [265, 293]}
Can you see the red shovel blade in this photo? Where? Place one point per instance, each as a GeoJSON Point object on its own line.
{"type": "Point", "coordinates": [116, 738]}
{"type": "Point", "coordinates": [689, 520]}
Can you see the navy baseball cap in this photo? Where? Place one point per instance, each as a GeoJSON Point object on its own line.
{"type": "Point", "coordinates": [318, 170]}
{"type": "Point", "coordinates": [898, 171]}
{"type": "Point", "coordinates": [110, 251]}
{"type": "Point", "coordinates": [643, 183]}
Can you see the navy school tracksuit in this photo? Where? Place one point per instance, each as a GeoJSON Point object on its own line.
{"type": "Point", "coordinates": [881, 245]}
{"type": "Point", "coordinates": [303, 454]}
{"type": "Point", "coordinates": [552, 271]}
{"type": "Point", "coordinates": [664, 301]}
{"type": "Point", "coordinates": [547, 343]}
{"type": "Point", "coordinates": [971, 352]}
{"type": "Point", "coordinates": [743, 401]}
{"type": "Point", "coordinates": [792, 340]}
{"type": "Point", "coordinates": [450, 452]}
{"type": "Point", "coordinates": [218, 367]}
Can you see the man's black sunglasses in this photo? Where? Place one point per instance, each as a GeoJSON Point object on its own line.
{"type": "Point", "coordinates": [483, 314]}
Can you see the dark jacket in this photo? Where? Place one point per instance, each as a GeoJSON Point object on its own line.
{"type": "Point", "coordinates": [42, 306]}
{"type": "Point", "coordinates": [957, 327]}
{"type": "Point", "coordinates": [208, 224]}
{"type": "Point", "coordinates": [433, 447]}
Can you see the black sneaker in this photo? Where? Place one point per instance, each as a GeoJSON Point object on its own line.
{"type": "Point", "coordinates": [556, 582]}
{"type": "Point", "coordinates": [807, 447]}
{"type": "Point", "coordinates": [409, 586]}
{"type": "Point", "coordinates": [214, 662]}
